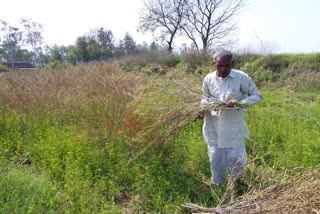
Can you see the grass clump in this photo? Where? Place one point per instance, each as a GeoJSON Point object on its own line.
{"type": "Point", "coordinates": [22, 191]}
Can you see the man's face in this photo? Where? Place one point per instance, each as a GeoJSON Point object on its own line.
{"type": "Point", "coordinates": [223, 66]}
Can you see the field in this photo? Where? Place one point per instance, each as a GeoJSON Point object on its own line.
{"type": "Point", "coordinates": [110, 138]}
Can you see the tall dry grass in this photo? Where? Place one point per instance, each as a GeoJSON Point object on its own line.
{"type": "Point", "coordinates": [94, 95]}
{"type": "Point", "coordinates": [47, 88]}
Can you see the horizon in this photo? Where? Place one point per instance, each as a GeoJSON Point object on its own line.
{"type": "Point", "coordinates": [265, 26]}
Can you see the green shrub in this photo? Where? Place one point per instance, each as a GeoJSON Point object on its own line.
{"type": "Point", "coordinates": [276, 63]}
{"type": "Point", "coordinates": [241, 60]}
{"type": "Point", "coordinates": [3, 68]}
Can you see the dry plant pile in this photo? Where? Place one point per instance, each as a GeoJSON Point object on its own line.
{"type": "Point", "coordinates": [297, 194]}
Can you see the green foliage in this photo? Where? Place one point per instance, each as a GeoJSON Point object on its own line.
{"type": "Point", "coordinates": [55, 65]}
{"type": "Point", "coordinates": [299, 72]}
{"type": "Point", "coordinates": [240, 60]}
{"type": "Point", "coordinates": [284, 129]}
{"type": "Point", "coordinates": [24, 192]}
{"type": "Point", "coordinates": [127, 66]}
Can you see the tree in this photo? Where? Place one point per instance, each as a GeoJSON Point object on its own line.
{"type": "Point", "coordinates": [23, 55]}
{"type": "Point", "coordinates": [58, 53]}
{"type": "Point", "coordinates": [126, 46]}
{"type": "Point", "coordinates": [130, 45]}
{"type": "Point", "coordinates": [164, 17]}
{"type": "Point", "coordinates": [94, 50]}
{"type": "Point", "coordinates": [210, 22]}
{"type": "Point", "coordinates": [142, 48]}
{"type": "Point", "coordinates": [11, 38]}
{"type": "Point", "coordinates": [154, 46]}
{"type": "Point", "coordinates": [33, 36]}
{"type": "Point", "coordinates": [81, 49]}
{"type": "Point", "coordinates": [106, 43]}
{"type": "Point", "coordinates": [100, 44]}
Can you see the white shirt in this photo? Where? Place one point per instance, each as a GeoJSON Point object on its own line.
{"type": "Point", "coordinates": [227, 128]}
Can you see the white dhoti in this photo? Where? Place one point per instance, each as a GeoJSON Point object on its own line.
{"type": "Point", "coordinates": [230, 160]}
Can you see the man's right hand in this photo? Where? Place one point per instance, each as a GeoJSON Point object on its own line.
{"type": "Point", "coordinates": [200, 115]}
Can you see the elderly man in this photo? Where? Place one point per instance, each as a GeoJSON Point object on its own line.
{"type": "Point", "coordinates": [224, 128]}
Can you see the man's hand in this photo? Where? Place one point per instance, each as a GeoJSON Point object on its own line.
{"type": "Point", "coordinates": [200, 115]}
{"type": "Point", "coordinates": [232, 103]}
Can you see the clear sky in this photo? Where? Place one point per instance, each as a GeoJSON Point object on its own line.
{"type": "Point", "coordinates": [277, 26]}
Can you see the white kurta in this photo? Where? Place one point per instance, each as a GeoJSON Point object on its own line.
{"type": "Point", "coordinates": [227, 128]}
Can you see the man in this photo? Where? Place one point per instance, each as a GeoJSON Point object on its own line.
{"type": "Point", "coordinates": [224, 129]}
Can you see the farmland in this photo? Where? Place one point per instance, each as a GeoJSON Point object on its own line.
{"type": "Point", "coordinates": [121, 138]}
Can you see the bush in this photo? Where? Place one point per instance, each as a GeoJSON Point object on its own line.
{"type": "Point", "coordinates": [242, 60]}
{"type": "Point", "coordinates": [194, 60]}
{"type": "Point", "coordinates": [276, 63]}
{"type": "Point", "coordinates": [3, 68]}
{"type": "Point", "coordinates": [152, 58]}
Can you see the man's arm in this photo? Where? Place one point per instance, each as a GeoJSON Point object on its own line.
{"type": "Point", "coordinates": [249, 87]}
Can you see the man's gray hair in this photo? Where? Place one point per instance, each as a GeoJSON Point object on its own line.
{"type": "Point", "coordinates": [222, 53]}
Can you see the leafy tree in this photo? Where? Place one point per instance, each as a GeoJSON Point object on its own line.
{"type": "Point", "coordinates": [210, 22]}
{"type": "Point", "coordinates": [72, 55]}
{"type": "Point", "coordinates": [58, 53]}
{"type": "Point", "coordinates": [154, 46]}
{"type": "Point", "coordinates": [81, 49]}
{"type": "Point", "coordinates": [23, 55]}
{"type": "Point", "coordinates": [98, 45]}
{"type": "Point", "coordinates": [94, 50]}
{"type": "Point", "coordinates": [119, 50]}
{"type": "Point", "coordinates": [129, 45]}
{"type": "Point", "coordinates": [106, 43]}
{"type": "Point", "coordinates": [142, 48]}
{"type": "Point", "coordinates": [163, 17]}
{"type": "Point", "coordinates": [126, 46]}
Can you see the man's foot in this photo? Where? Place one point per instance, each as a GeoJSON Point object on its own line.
{"type": "Point", "coordinates": [240, 186]}
{"type": "Point", "coordinates": [214, 186]}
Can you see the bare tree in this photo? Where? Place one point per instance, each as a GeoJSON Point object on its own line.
{"type": "Point", "coordinates": [33, 36]}
{"type": "Point", "coordinates": [210, 22]}
{"type": "Point", "coordinates": [10, 38]}
{"type": "Point", "coordinates": [163, 17]}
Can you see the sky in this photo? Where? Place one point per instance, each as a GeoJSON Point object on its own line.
{"type": "Point", "coordinates": [265, 26]}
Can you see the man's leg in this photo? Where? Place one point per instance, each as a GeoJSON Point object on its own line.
{"type": "Point", "coordinates": [236, 161]}
{"type": "Point", "coordinates": [217, 160]}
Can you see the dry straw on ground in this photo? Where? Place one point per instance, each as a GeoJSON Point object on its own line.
{"type": "Point", "coordinates": [296, 195]}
